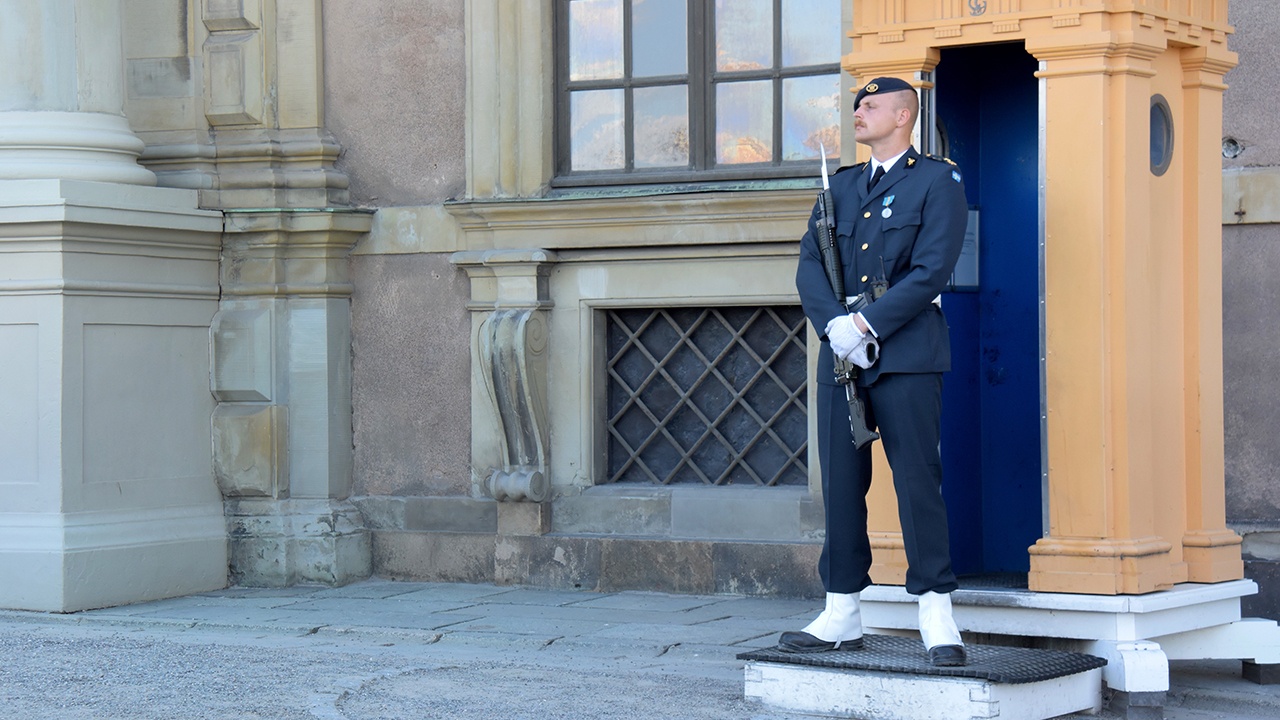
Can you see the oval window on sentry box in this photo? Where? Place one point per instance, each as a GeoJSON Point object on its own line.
{"type": "Point", "coordinates": [1161, 135]}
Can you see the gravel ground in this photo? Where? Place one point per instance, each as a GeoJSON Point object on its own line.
{"type": "Point", "coordinates": [76, 673]}
{"type": "Point", "coordinates": [382, 650]}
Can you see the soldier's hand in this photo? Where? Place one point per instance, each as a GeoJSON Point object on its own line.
{"type": "Point", "coordinates": [844, 335]}
{"type": "Point", "coordinates": [866, 353]}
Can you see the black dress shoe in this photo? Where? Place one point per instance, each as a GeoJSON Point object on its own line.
{"type": "Point", "coordinates": [803, 642]}
{"type": "Point", "coordinates": [947, 656]}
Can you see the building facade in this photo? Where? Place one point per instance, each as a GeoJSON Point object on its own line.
{"type": "Point", "coordinates": [387, 304]}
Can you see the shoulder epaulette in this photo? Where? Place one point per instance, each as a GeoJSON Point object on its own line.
{"type": "Point", "coordinates": [946, 160]}
{"type": "Point", "coordinates": [842, 168]}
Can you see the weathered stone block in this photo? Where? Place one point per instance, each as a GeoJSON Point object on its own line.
{"type": "Point", "coordinates": [258, 550]}
{"type": "Point", "coordinates": [733, 513]}
{"type": "Point", "coordinates": [450, 514]}
{"type": "Point", "coordinates": [523, 518]}
{"type": "Point", "coordinates": [434, 557]}
{"type": "Point", "coordinates": [548, 561]}
{"type": "Point", "coordinates": [250, 458]}
{"type": "Point", "coordinates": [381, 512]}
{"type": "Point", "coordinates": [770, 569]}
{"type": "Point", "coordinates": [813, 521]}
{"type": "Point", "coordinates": [1266, 603]}
{"type": "Point", "coordinates": [243, 355]}
{"type": "Point", "coordinates": [658, 565]}
{"type": "Point", "coordinates": [616, 510]}
{"type": "Point", "coordinates": [276, 543]}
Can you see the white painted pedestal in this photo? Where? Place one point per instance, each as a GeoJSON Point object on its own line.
{"type": "Point", "coordinates": [1137, 634]}
{"type": "Point", "coordinates": [877, 695]}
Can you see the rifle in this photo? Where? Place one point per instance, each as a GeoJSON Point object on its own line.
{"type": "Point", "coordinates": [846, 372]}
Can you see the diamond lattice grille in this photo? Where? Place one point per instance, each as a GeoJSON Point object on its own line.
{"type": "Point", "coordinates": [709, 395]}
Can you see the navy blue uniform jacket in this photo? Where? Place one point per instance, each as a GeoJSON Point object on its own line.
{"type": "Point", "coordinates": [914, 249]}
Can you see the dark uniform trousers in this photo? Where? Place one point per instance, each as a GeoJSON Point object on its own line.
{"type": "Point", "coordinates": [907, 410]}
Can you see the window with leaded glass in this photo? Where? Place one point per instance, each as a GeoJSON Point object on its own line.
{"type": "Point", "coordinates": [689, 90]}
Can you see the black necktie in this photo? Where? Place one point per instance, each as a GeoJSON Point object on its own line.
{"type": "Point", "coordinates": [875, 178]}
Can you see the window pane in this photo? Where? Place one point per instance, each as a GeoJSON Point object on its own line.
{"type": "Point", "coordinates": [596, 141]}
{"type": "Point", "coordinates": [662, 126]}
{"type": "Point", "coordinates": [810, 116]}
{"type": "Point", "coordinates": [744, 34]}
{"type": "Point", "coordinates": [595, 39]}
{"type": "Point", "coordinates": [659, 37]}
{"type": "Point", "coordinates": [744, 122]}
{"type": "Point", "coordinates": [810, 32]}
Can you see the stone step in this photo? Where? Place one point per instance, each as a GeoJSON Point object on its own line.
{"type": "Point", "coordinates": [891, 679]}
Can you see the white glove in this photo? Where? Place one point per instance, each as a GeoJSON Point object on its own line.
{"type": "Point", "coordinates": [866, 353]}
{"type": "Point", "coordinates": [844, 335]}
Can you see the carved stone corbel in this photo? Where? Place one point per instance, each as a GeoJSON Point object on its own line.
{"type": "Point", "coordinates": [510, 429]}
{"type": "Point", "coordinates": [512, 350]}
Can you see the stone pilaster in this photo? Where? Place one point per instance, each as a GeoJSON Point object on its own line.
{"type": "Point", "coordinates": [1102, 538]}
{"type": "Point", "coordinates": [282, 378]}
{"type": "Point", "coordinates": [509, 111]}
{"type": "Point", "coordinates": [236, 110]}
{"type": "Point", "coordinates": [263, 99]}
{"type": "Point", "coordinates": [1211, 551]}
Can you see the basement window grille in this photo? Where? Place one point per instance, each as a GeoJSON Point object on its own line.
{"type": "Point", "coordinates": [707, 395]}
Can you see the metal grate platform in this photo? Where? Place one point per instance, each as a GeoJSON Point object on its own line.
{"type": "Point", "coordinates": [893, 654]}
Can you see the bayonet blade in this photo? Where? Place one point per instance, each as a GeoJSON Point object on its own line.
{"type": "Point", "coordinates": [823, 150]}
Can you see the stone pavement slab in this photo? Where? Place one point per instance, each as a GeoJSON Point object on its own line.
{"type": "Point", "coordinates": [651, 602]}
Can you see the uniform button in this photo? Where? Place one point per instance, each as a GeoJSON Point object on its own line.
{"type": "Point", "coordinates": [866, 214]}
{"type": "Point", "coordinates": [864, 278]}
{"type": "Point", "coordinates": [865, 246]}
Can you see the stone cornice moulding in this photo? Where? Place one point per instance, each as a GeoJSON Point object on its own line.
{"type": "Point", "coordinates": [668, 220]}
{"type": "Point", "coordinates": [1203, 64]}
{"type": "Point", "coordinates": [71, 212]}
{"type": "Point", "coordinates": [869, 22]}
{"type": "Point", "coordinates": [881, 43]}
{"type": "Point", "coordinates": [290, 253]}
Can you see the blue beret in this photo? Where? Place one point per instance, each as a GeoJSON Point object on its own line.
{"type": "Point", "coordinates": [880, 86]}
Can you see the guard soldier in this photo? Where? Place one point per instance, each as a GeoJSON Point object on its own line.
{"type": "Point", "coordinates": [900, 222]}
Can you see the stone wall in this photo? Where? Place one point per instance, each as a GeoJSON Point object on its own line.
{"type": "Point", "coordinates": [395, 85]}
{"type": "Point", "coordinates": [395, 79]}
{"type": "Point", "coordinates": [412, 370]}
{"type": "Point", "coordinates": [1251, 301]}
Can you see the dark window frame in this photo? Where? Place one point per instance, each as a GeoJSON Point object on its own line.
{"type": "Point", "coordinates": [1162, 135]}
{"type": "Point", "coordinates": [702, 78]}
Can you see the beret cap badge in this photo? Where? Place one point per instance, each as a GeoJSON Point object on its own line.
{"type": "Point", "coordinates": [882, 86]}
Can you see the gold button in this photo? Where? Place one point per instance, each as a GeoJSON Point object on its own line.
{"type": "Point", "coordinates": [866, 214]}
{"type": "Point", "coordinates": [864, 278]}
{"type": "Point", "coordinates": [865, 246]}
